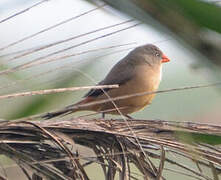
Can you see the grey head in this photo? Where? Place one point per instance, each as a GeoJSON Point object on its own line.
{"type": "Point", "coordinates": [146, 54]}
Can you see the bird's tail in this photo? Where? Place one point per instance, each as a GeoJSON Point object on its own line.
{"type": "Point", "coordinates": [54, 114]}
{"type": "Point", "coordinates": [67, 110]}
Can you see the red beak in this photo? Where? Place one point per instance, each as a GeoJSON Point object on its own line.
{"type": "Point", "coordinates": [165, 59]}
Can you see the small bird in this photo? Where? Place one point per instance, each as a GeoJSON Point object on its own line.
{"type": "Point", "coordinates": [140, 71]}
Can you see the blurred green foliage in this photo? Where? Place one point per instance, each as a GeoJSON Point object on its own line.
{"type": "Point", "coordinates": [186, 18]}
{"type": "Point", "coordinates": [204, 14]}
{"type": "Point", "coordinates": [199, 138]}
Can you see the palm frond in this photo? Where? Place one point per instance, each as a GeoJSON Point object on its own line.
{"type": "Point", "coordinates": [50, 148]}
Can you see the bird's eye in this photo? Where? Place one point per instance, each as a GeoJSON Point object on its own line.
{"type": "Point", "coordinates": [157, 55]}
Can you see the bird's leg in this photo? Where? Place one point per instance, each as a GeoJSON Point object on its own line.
{"type": "Point", "coordinates": [127, 116]}
{"type": "Point", "coordinates": [103, 115]}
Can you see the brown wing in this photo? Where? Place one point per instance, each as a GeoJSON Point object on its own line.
{"type": "Point", "coordinates": [121, 73]}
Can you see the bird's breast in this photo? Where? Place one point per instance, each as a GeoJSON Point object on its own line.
{"type": "Point", "coordinates": [148, 78]}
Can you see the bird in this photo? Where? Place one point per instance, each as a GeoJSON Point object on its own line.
{"type": "Point", "coordinates": [138, 72]}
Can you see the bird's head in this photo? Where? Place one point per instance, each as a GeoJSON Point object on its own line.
{"type": "Point", "coordinates": [149, 54]}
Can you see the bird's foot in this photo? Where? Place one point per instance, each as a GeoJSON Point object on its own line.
{"type": "Point", "coordinates": [103, 115]}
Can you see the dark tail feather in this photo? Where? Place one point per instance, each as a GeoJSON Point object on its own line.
{"type": "Point", "coordinates": [54, 114]}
